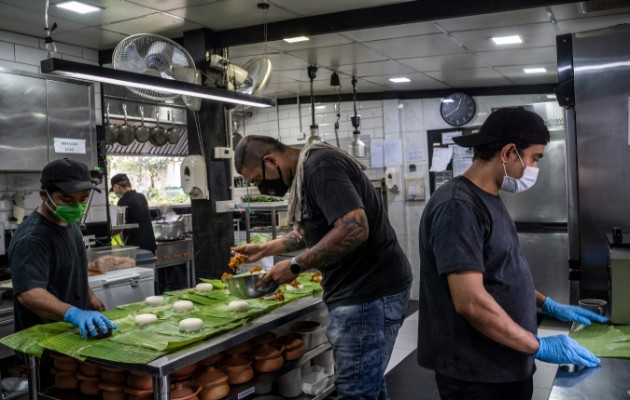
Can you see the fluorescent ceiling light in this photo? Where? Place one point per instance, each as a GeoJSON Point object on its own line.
{"type": "Point", "coordinates": [400, 80]}
{"type": "Point", "coordinates": [551, 96]}
{"type": "Point", "coordinates": [501, 40]}
{"type": "Point", "coordinates": [78, 7]}
{"type": "Point", "coordinates": [536, 70]}
{"type": "Point", "coordinates": [320, 107]}
{"type": "Point", "coordinates": [95, 73]}
{"type": "Point", "coordinates": [296, 39]}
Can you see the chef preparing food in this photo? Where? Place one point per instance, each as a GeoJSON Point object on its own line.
{"type": "Point", "coordinates": [340, 217]}
{"type": "Point", "coordinates": [478, 324]}
{"type": "Point", "coordinates": [48, 258]}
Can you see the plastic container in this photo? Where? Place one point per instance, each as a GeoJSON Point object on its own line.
{"type": "Point", "coordinates": [111, 258]}
{"type": "Point", "coordinates": [290, 384]}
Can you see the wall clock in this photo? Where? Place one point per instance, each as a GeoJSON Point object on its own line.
{"type": "Point", "coordinates": [458, 109]}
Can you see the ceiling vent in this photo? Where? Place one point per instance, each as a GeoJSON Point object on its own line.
{"type": "Point", "coordinates": [585, 7]}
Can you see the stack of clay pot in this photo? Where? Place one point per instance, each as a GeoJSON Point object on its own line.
{"type": "Point", "coordinates": [293, 345]}
{"type": "Point", "coordinates": [184, 373]}
{"type": "Point", "coordinates": [89, 379]}
{"type": "Point", "coordinates": [214, 381]}
{"type": "Point", "coordinates": [113, 382]}
{"type": "Point", "coordinates": [65, 369]}
{"type": "Point", "coordinates": [267, 358]}
{"type": "Point", "coordinates": [238, 368]}
{"type": "Point", "coordinates": [139, 386]}
{"type": "Point", "coordinates": [185, 391]}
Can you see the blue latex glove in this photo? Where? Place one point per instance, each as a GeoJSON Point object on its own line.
{"type": "Point", "coordinates": [87, 320]}
{"type": "Point", "coordinates": [565, 312]}
{"type": "Point", "coordinates": [561, 349]}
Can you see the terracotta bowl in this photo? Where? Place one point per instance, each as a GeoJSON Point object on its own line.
{"type": "Point", "coordinates": [212, 360]}
{"type": "Point", "coordinates": [185, 391]}
{"type": "Point", "coordinates": [65, 363]}
{"type": "Point", "coordinates": [89, 369]}
{"type": "Point", "coordinates": [136, 380]}
{"type": "Point", "coordinates": [293, 346]}
{"type": "Point", "coordinates": [139, 394]}
{"type": "Point", "coordinates": [184, 373]}
{"type": "Point", "coordinates": [112, 392]}
{"type": "Point", "coordinates": [113, 375]}
{"type": "Point", "coordinates": [65, 379]}
{"type": "Point", "coordinates": [266, 337]}
{"type": "Point", "coordinates": [89, 385]}
{"type": "Point", "coordinates": [238, 369]}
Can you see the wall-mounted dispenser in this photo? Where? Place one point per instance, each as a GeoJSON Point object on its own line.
{"type": "Point", "coordinates": [391, 179]}
{"type": "Point", "coordinates": [194, 179]}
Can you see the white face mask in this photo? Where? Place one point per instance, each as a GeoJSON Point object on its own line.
{"type": "Point", "coordinates": [523, 183]}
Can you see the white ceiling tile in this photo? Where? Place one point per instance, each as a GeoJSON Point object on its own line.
{"type": "Point", "coordinates": [436, 63]}
{"type": "Point", "coordinates": [507, 18]}
{"type": "Point", "coordinates": [375, 68]}
{"type": "Point", "coordinates": [589, 24]}
{"type": "Point", "coordinates": [222, 15]}
{"type": "Point", "coordinates": [255, 49]}
{"type": "Point", "coordinates": [158, 23]}
{"type": "Point", "coordinates": [390, 32]}
{"type": "Point", "coordinates": [470, 77]}
{"type": "Point", "coordinates": [338, 55]}
{"type": "Point", "coordinates": [92, 38]}
{"type": "Point", "coordinates": [519, 77]}
{"type": "Point", "coordinates": [534, 35]}
{"type": "Point", "coordinates": [308, 8]}
{"type": "Point", "coordinates": [279, 77]}
{"type": "Point", "coordinates": [279, 62]}
{"type": "Point", "coordinates": [28, 22]}
{"type": "Point", "coordinates": [519, 56]}
{"type": "Point", "coordinates": [322, 74]}
{"type": "Point", "coordinates": [164, 5]}
{"type": "Point", "coordinates": [113, 10]}
{"type": "Point", "coordinates": [416, 46]}
{"type": "Point", "coordinates": [418, 82]}
{"type": "Point", "coordinates": [316, 41]}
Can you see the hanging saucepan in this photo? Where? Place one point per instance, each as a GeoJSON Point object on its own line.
{"type": "Point", "coordinates": [158, 134]}
{"type": "Point", "coordinates": [111, 130]}
{"type": "Point", "coordinates": [142, 132]}
{"type": "Point", "coordinates": [125, 131]}
{"type": "Point", "coordinates": [174, 134]}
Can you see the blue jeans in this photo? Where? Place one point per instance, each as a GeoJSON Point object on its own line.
{"type": "Point", "coordinates": [362, 338]}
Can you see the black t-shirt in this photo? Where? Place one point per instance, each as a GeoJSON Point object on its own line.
{"type": "Point", "coordinates": [464, 228]}
{"type": "Point", "coordinates": [333, 186]}
{"type": "Point", "coordinates": [138, 213]}
{"type": "Point", "coordinates": [47, 256]}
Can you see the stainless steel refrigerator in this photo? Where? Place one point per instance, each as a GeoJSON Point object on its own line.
{"type": "Point", "coordinates": [594, 87]}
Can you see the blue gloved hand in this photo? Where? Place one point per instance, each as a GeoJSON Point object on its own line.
{"type": "Point", "coordinates": [87, 320]}
{"type": "Point", "coordinates": [565, 312]}
{"type": "Point", "coordinates": [561, 349]}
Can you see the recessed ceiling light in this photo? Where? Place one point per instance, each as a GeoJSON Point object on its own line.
{"type": "Point", "coordinates": [320, 107]}
{"type": "Point", "coordinates": [78, 7]}
{"type": "Point", "coordinates": [296, 39]}
{"type": "Point", "coordinates": [537, 70]}
{"type": "Point", "coordinates": [501, 40]}
{"type": "Point", "coordinates": [400, 80]}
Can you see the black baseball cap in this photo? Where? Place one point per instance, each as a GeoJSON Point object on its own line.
{"type": "Point", "coordinates": [70, 176]}
{"type": "Point", "coordinates": [513, 124]}
{"type": "Point", "coordinates": [117, 179]}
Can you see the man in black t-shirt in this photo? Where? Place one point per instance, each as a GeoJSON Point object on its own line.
{"type": "Point", "coordinates": [137, 213]}
{"type": "Point", "coordinates": [477, 320]}
{"type": "Point", "coordinates": [340, 218]}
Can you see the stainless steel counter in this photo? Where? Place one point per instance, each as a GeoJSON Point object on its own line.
{"type": "Point", "coordinates": [608, 381]}
{"type": "Point", "coordinates": [165, 365]}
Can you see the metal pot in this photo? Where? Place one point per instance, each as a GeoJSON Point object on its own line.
{"type": "Point", "coordinates": [142, 132]}
{"type": "Point", "coordinates": [187, 224]}
{"type": "Point", "coordinates": [125, 132]}
{"type": "Point", "coordinates": [167, 230]}
{"type": "Point", "coordinates": [158, 136]}
{"type": "Point", "coordinates": [111, 130]}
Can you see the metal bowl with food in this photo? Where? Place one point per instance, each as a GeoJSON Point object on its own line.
{"type": "Point", "coordinates": [242, 286]}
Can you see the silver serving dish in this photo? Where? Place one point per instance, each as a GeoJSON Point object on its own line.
{"type": "Point", "coordinates": [242, 286]}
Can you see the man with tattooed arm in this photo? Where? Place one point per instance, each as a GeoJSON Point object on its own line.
{"type": "Point", "coordinates": [340, 220]}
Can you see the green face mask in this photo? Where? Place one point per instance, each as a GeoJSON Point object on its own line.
{"type": "Point", "coordinates": [67, 213]}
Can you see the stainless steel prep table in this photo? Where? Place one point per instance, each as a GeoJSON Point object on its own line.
{"type": "Point", "coordinates": [608, 381]}
{"type": "Point", "coordinates": [165, 365]}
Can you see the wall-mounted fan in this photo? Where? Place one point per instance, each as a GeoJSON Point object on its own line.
{"type": "Point", "coordinates": [250, 78]}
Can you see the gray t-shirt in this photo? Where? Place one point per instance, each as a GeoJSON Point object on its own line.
{"type": "Point", "coordinates": [464, 228]}
{"type": "Point", "coordinates": [333, 186]}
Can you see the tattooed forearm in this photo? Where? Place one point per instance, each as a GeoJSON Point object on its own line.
{"type": "Point", "coordinates": [293, 241]}
{"type": "Point", "coordinates": [348, 233]}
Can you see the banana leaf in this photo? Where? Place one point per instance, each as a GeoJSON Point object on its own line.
{"type": "Point", "coordinates": [604, 340]}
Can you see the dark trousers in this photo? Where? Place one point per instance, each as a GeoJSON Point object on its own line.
{"type": "Point", "coordinates": [455, 389]}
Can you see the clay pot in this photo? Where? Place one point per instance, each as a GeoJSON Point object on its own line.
{"type": "Point", "coordinates": [242, 348]}
{"type": "Point", "coordinates": [184, 373]}
{"type": "Point", "coordinates": [115, 376]}
{"type": "Point", "coordinates": [65, 380]}
{"type": "Point", "coordinates": [112, 392]}
{"type": "Point", "coordinates": [139, 394]}
{"type": "Point", "coordinates": [267, 358]}
{"type": "Point", "coordinates": [293, 346]}
{"type": "Point", "coordinates": [89, 369]}
{"type": "Point", "coordinates": [65, 363]}
{"type": "Point", "coordinates": [88, 385]}
{"type": "Point", "coordinates": [136, 380]}
{"type": "Point", "coordinates": [214, 381]}
{"type": "Point", "coordinates": [266, 337]}
{"type": "Point", "coordinates": [185, 391]}
{"type": "Point", "coordinates": [212, 360]}
{"type": "Point", "coordinates": [238, 369]}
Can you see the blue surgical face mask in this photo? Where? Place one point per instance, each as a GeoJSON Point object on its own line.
{"type": "Point", "coordinates": [514, 185]}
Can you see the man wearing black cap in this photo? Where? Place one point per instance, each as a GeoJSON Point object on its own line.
{"type": "Point", "coordinates": [48, 258]}
{"type": "Point", "coordinates": [477, 320]}
{"type": "Point", "coordinates": [137, 213]}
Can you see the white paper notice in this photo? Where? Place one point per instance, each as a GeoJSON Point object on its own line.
{"type": "Point", "coordinates": [69, 146]}
{"type": "Point", "coordinates": [460, 165]}
{"type": "Point", "coordinates": [441, 157]}
{"type": "Point", "coordinates": [376, 153]}
{"type": "Point", "coordinates": [393, 152]}
{"type": "Point", "coordinates": [415, 155]}
{"type": "Point", "coordinates": [447, 137]}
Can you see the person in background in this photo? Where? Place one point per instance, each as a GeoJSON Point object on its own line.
{"type": "Point", "coordinates": [478, 305]}
{"type": "Point", "coordinates": [48, 259]}
{"type": "Point", "coordinates": [341, 220]}
{"type": "Point", "coordinates": [137, 213]}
